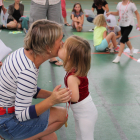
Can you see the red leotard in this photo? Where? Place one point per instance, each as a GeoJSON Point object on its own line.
{"type": "Point", "coordinates": [83, 87]}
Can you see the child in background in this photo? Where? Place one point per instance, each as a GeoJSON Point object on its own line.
{"type": "Point", "coordinates": [125, 10]}
{"type": "Point", "coordinates": [76, 54]}
{"type": "Point", "coordinates": [77, 17]}
{"type": "Point", "coordinates": [113, 27]}
{"type": "Point", "coordinates": [101, 39]}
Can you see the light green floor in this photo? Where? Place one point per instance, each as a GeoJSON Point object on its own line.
{"type": "Point", "coordinates": [115, 88]}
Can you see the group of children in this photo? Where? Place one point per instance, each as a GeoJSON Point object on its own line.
{"type": "Point", "coordinates": [106, 34]}
{"type": "Point", "coordinates": [76, 54]}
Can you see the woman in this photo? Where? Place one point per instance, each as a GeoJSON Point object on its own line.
{"type": "Point", "coordinates": [100, 6]}
{"type": "Point", "coordinates": [50, 9]}
{"type": "Point", "coordinates": [18, 85]}
{"type": "Point", "coordinates": [15, 11]}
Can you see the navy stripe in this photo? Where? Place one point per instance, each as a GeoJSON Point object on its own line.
{"type": "Point", "coordinates": [28, 76]}
{"type": "Point", "coordinates": [24, 91]}
{"type": "Point", "coordinates": [26, 81]}
{"type": "Point", "coordinates": [26, 59]}
{"type": "Point", "coordinates": [17, 61]}
{"type": "Point", "coordinates": [22, 61]}
{"type": "Point", "coordinates": [25, 85]}
{"type": "Point", "coordinates": [23, 103]}
{"type": "Point", "coordinates": [13, 64]}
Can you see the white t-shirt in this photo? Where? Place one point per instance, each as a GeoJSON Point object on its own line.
{"type": "Point", "coordinates": [126, 14]}
{"type": "Point", "coordinates": [43, 2]}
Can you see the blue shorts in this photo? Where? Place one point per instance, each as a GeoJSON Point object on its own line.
{"type": "Point", "coordinates": [102, 46]}
{"type": "Point", "coordinates": [12, 129]}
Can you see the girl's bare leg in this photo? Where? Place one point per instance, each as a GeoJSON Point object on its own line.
{"type": "Point", "coordinates": [112, 36]}
{"type": "Point", "coordinates": [56, 120]}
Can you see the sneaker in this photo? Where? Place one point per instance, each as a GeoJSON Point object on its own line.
{"type": "Point", "coordinates": [131, 52]}
{"type": "Point", "coordinates": [112, 51]}
{"type": "Point", "coordinates": [91, 30]}
{"type": "Point", "coordinates": [117, 59]}
{"type": "Point", "coordinates": [107, 50]}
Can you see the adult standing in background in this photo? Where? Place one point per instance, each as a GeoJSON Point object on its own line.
{"type": "Point", "coordinates": [2, 7]}
{"type": "Point", "coordinates": [50, 9]}
{"type": "Point", "coordinates": [64, 13]}
{"type": "Point", "coordinates": [101, 6]}
{"type": "Point", "coordinates": [19, 119]}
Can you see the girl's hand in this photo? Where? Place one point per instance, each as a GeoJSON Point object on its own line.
{"type": "Point", "coordinates": [138, 26]}
{"type": "Point", "coordinates": [60, 96]}
{"type": "Point", "coordinates": [15, 21]}
{"type": "Point", "coordinates": [4, 10]}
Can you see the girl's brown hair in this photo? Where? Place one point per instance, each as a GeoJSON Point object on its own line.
{"type": "Point", "coordinates": [73, 10]}
{"type": "Point", "coordinates": [99, 20]}
{"type": "Point", "coordinates": [78, 55]}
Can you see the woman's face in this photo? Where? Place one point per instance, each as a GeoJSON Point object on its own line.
{"type": "Point", "coordinates": [56, 47]}
{"type": "Point", "coordinates": [17, 1]}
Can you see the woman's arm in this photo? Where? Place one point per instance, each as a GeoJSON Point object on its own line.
{"type": "Point", "coordinates": [56, 97]}
{"type": "Point", "coordinates": [138, 18]}
{"type": "Point", "coordinates": [10, 12]}
{"type": "Point", "coordinates": [119, 35]}
{"type": "Point", "coordinates": [106, 8]}
{"type": "Point", "coordinates": [73, 18]}
{"type": "Point", "coordinates": [82, 19]}
{"type": "Point", "coordinates": [73, 84]}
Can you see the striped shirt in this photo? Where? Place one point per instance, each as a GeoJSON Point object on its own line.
{"type": "Point", "coordinates": [18, 85]}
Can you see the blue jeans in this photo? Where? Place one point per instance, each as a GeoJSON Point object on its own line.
{"type": "Point", "coordinates": [12, 129]}
{"type": "Point", "coordinates": [90, 19]}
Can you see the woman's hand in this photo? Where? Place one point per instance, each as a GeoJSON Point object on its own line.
{"type": "Point", "coordinates": [60, 96]}
{"type": "Point", "coordinates": [15, 21]}
{"type": "Point", "coordinates": [86, 15]}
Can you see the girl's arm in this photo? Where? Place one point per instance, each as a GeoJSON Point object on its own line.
{"type": "Point", "coordinates": [73, 18]}
{"type": "Point", "coordinates": [82, 19]}
{"type": "Point", "coordinates": [119, 35]}
{"type": "Point", "coordinates": [104, 34]}
{"type": "Point", "coordinates": [106, 8]}
{"type": "Point", "coordinates": [138, 18]}
{"type": "Point", "coordinates": [73, 84]}
{"type": "Point", "coordinates": [113, 13]}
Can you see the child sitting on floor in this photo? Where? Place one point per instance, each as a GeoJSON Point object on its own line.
{"type": "Point", "coordinates": [101, 39]}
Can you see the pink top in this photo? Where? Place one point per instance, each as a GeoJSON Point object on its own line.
{"type": "Point", "coordinates": [1, 3]}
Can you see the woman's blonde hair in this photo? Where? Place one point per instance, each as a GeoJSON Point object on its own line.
{"type": "Point", "coordinates": [78, 55]}
{"type": "Point", "coordinates": [99, 20]}
{"type": "Point", "coordinates": [42, 34]}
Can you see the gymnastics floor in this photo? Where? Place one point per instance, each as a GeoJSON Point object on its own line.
{"type": "Point", "coordinates": [115, 88]}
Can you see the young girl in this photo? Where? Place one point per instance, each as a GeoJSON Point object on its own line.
{"type": "Point", "coordinates": [101, 39]}
{"type": "Point", "coordinates": [76, 54]}
{"type": "Point", "coordinates": [125, 10]}
{"type": "Point", "coordinates": [77, 17]}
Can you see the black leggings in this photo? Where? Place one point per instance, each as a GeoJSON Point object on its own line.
{"type": "Point", "coordinates": [125, 31]}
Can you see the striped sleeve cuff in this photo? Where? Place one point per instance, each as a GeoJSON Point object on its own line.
{"type": "Point", "coordinates": [32, 112]}
{"type": "Point", "coordinates": [35, 96]}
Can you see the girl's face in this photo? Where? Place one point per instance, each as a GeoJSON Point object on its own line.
{"type": "Point", "coordinates": [62, 52]}
{"type": "Point", "coordinates": [56, 47]}
{"type": "Point", "coordinates": [77, 8]}
{"type": "Point", "coordinates": [17, 1]}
